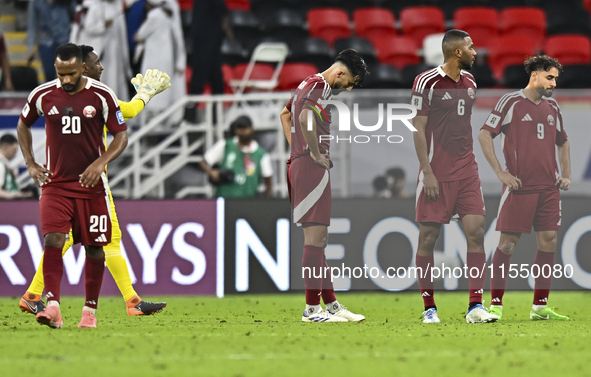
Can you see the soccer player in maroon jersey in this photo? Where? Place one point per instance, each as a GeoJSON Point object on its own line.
{"type": "Point", "coordinates": [531, 126]}
{"type": "Point", "coordinates": [309, 177]}
{"type": "Point", "coordinates": [74, 186]}
{"type": "Point", "coordinates": [448, 182]}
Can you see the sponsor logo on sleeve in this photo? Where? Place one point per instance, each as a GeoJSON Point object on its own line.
{"type": "Point", "coordinates": [120, 117]}
{"type": "Point", "coordinates": [26, 110]}
{"type": "Point", "coordinates": [493, 120]}
{"type": "Point", "coordinates": [417, 101]}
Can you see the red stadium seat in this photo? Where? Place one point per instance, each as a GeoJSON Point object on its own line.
{"type": "Point", "coordinates": [374, 23]}
{"type": "Point", "coordinates": [418, 22]}
{"type": "Point", "coordinates": [509, 50]}
{"type": "Point", "coordinates": [398, 51]}
{"type": "Point", "coordinates": [293, 74]}
{"type": "Point", "coordinates": [186, 4]}
{"type": "Point", "coordinates": [587, 5]}
{"type": "Point", "coordinates": [482, 23]}
{"type": "Point", "coordinates": [524, 21]}
{"type": "Point", "coordinates": [261, 71]}
{"type": "Point", "coordinates": [329, 24]}
{"type": "Point", "coordinates": [238, 4]}
{"type": "Point", "coordinates": [569, 49]}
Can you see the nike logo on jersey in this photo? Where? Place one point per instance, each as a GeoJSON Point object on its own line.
{"type": "Point", "coordinates": [53, 111]}
{"type": "Point", "coordinates": [446, 96]}
{"type": "Point", "coordinates": [526, 118]}
{"type": "Point", "coordinates": [101, 238]}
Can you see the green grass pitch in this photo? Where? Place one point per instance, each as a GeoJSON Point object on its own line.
{"type": "Point", "coordinates": [261, 335]}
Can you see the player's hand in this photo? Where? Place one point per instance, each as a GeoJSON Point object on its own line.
{"type": "Point", "coordinates": [92, 174]}
{"type": "Point", "coordinates": [431, 186]}
{"type": "Point", "coordinates": [215, 175]}
{"type": "Point", "coordinates": [563, 183]}
{"type": "Point", "coordinates": [152, 83]}
{"type": "Point", "coordinates": [39, 173]}
{"type": "Point", "coordinates": [509, 180]}
{"type": "Point", "coordinates": [321, 160]}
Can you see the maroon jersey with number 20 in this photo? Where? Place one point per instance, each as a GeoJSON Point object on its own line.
{"type": "Point", "coordinates": [74, 127]}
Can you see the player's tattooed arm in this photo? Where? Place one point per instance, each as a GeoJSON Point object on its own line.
{"type": "Point", "coordinates": [563, 182]}
{"type": "Point", "coordinates": [311, 137]}
{"type": "Point", "coordinates": [285, 117]}
{"type": "Point", "coordinates": [92, 174]}
{"type": "Point", "coordinates": [430, 183]}
{"type": "Point", "coordinates": [25, 139]}
{"type": "Point", "coordinates": [486, 143]}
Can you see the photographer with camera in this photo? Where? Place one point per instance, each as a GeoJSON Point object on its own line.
{"type": "Point", "coordinates": [235, 165]}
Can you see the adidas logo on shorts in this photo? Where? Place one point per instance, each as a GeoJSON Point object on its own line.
{"type": "Point", "coordinates": [101, 238]}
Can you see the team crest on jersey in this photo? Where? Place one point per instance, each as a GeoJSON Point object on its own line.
{"type": "Point", "coordinates": [471, 93]}
{"type": "Point", "coordinates": [89, 111]}
{"type": "Point", "coordinates": [550, 120]}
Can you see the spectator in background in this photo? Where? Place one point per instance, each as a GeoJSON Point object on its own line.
{"type": "Point", "coordinates": [380, 188]}
{"type": "Point", "coordinates": [49, 27]}
{"type": "Point", "coordinates": [8, 186]}
{"type": "Point", "coordinates": [209, 24]}
{"type": "Point", "coordinates": [396, 180]}
{"type": "Point", "coordinates": [104, 28]}
{"type": "Point", "coordinates": [161, 43]}
{"type": "Point", "coordinates": [5, 76]}
{"type": "Point", "coordinates": [242, 163]}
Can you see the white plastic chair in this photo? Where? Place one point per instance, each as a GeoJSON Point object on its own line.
{"type": "Point", "coordinates": [432, 52]}
{"type": "Point", "coordinates": [263, 53]}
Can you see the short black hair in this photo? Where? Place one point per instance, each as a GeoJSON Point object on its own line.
{"type": "Point", "coordinates": [396, 173]}
{"type": "Point", "coordinates": [354, 63]}
{"type": "Point", "coordinates": [8, 139]}
{"type": "Point", "coordinates": [241, 122]}
{"type": "Point", "coordinates": [68, 51]}
{"type": "Point", "coordinates": [86, 50]}
{"type": "Point", "coordinates": [541, 63]}
{"type": "Point", "coordinates": [450, 38]}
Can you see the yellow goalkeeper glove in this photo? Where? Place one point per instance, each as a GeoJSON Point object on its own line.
{"type": "Point", "coordinates": [152, 83]}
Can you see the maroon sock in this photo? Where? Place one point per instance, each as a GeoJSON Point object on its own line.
{"type": "Point", "coordinates": [498, 278]}
{"type": "Point", "coordinates": [327, 287]}
{"type": "Point", "coordinates": [476, 275]}
{"type": "Point", "coordinates": [424, 266]}
{"type": "Point", "coordinates": [53, 269]}
{"type": "Point", "coordinates": [312, 269]}
{"type": "Point", "coordinates": [94, 270]}
{"type": "Point", "coordinates": [544, 280]}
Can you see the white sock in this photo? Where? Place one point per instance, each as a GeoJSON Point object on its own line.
{"type": "Point", "coordinates": [333, 307]}
{"type": "Point", "coordinates": [53, 303]}
{"type": "Point", "coordinates": [538, 307]}
{"type": "Point", "coordinates": [313, 309]}
{"type": "Point", "coordinates": [91, 310]}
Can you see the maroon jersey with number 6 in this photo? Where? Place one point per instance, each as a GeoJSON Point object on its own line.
{"type": "Point", "coordinates": [448, 106]}
{"type": "Point", "coordinates": [529, 134]}
{"type": "Point", "coordinates": [74, 127]}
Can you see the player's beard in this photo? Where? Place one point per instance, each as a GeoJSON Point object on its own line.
{"type": "Point", "coordinates": [71, 87]}
{"type": "Point", "coordinates": [546, 92]}
{"type": "Point", "coordinates": [466, 66]}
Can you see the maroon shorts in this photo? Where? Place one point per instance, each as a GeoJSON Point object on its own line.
{"type": "Point", "coordinates": [311, 197]}
{"type": "Point", "coordinates": [89, 219]}
{"type": "Point", "coordinates": [461, 198]}
{"type": "Point", "coordinates": [518, 212]}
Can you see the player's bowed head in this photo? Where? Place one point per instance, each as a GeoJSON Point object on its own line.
{"type": "Point", "coordinates": [68, 67]}
{"type": "Point", "coordinates": [349, 70]}
{"type": "Point", "coordinates": [543, 71]}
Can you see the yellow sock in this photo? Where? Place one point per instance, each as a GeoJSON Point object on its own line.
{"type": "Point", "coordinates": [38, 284]}
{"type": "Point", "coordinates": [115, 261]}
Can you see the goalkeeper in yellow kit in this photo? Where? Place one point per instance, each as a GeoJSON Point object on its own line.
{"type": "Point", "coordinates": [147, 87]}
